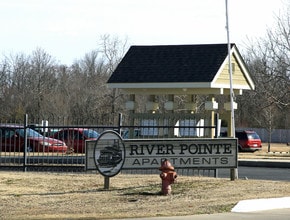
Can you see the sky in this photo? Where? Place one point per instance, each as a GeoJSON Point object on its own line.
{"type": "Point", "coordinates": [68, 29]}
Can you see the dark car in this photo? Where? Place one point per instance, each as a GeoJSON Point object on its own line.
{"type": "Point", "coordinates": [248, 140]}
{"type": "Point", "coordinates": [13, 140]}
{"type": "Point", "coordinates": [75, 138]}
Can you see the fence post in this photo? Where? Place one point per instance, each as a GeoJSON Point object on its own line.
{"type": "Point", "coordinates": [120, 123]}
{"type": "Point", "coordinates": [216, 125]}
{"type": "Point", "coordinates": [25, 143]}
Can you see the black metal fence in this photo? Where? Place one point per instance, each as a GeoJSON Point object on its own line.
{"type": "Point", "coordinates": [56, 145]}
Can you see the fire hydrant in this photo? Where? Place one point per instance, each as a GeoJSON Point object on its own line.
{"type": "Point", "coordinates": [168, 176]}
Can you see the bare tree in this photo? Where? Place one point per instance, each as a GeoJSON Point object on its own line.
{"type": "Point", "coordinates": [113, 50]}
{"type": "Point", "coordinates": [4, 92]}
{"type": "Point", "coordinates": [36, 85]}
{"type": "Point", "coordinates": [42, 80]}
{"type": "Point", "coordinates": [269, 62]}
{"type": "Point", "coordinates": [16, 95]}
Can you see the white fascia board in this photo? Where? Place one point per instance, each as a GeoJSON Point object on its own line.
{"type": "Point", "coordinates": [159, 85]}
{"type": "Point", "coordinates": [217, 75]}
{"type": "Point", "coordinates": [157, 91]}
{"type": "Point", "coordinates": [244, 69]}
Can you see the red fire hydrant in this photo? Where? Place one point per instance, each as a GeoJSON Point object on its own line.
{"type": "Point", "coordinates": [168, 176]}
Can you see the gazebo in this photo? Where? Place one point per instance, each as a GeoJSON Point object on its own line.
{"type": "Point", "coordinates": [181, 70]}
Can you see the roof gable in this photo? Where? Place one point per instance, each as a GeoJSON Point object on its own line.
{"type": "Point", "coordinates": [240, 75]}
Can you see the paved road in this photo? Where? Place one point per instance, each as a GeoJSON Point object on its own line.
{"type": "Point", "coordinates": [258, 173]}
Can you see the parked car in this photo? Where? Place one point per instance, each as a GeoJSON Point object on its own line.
{"type": "Point", "coordinates": [75, 138]}
{"type": "Point", "coordinates": [12, 140]}
{"type": "Point", "coordinates": [248, 140]}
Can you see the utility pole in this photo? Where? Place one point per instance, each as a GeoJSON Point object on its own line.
{"type": "Point", "coordinates": [234, 171]}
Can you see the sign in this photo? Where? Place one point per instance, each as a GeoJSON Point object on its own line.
{"type": "Point", "coordinates": [109, 153]}
{"type": "Point", "coordinates": [182, 153]}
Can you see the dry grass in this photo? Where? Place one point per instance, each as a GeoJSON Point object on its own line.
{"type": "Point", "coordinates": [81, 196]}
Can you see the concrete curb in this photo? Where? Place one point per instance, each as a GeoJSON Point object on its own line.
{"type": "Point", "coordinates": [264, 163]}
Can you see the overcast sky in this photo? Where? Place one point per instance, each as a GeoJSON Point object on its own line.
{"type": "Point", "coordinates": [67, 29]}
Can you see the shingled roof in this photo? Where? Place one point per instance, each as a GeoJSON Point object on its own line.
{"type": "Point", "coordinates": [168, 64]}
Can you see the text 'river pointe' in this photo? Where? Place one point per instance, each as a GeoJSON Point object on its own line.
{"type": "Point", "coordinates": [170, 149]}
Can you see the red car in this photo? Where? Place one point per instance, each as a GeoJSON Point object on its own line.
{"type": "Point", "coordinates": [75, 138]}
{"type": "Point", "coordinates": [249, 141]}
{"type": "Point", "coordinates": [12, 140]}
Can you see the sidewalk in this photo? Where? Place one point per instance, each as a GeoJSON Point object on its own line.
{"type": "Point", "coordinates": [277, 214]}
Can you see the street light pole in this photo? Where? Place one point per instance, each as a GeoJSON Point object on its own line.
{"type": "Point", "coordinates": [230, 73]}
{"type": "Point", "coordinates": [234, 172]}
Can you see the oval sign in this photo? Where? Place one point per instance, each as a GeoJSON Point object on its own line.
{"type": "Point", "coordinates": [109, 153]}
